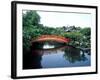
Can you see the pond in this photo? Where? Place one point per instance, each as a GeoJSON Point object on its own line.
{"type": "Point", "coordinates": [55, 56]}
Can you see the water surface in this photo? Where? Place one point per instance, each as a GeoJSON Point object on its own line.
{"type": "Point", "coordinates": [49, 56]}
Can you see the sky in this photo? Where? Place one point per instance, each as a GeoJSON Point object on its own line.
{"type": "Point", "coordinates": [57, 19]}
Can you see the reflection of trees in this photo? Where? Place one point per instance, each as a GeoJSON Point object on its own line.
{"type": "Point", "coordinates": [37, 45]}
{"type": "Point", "coordinates": [32, 60]}
{"type": "Point", "coordinates": [87, 50]}
{"type": "Point", "coordinates": [73, 55]}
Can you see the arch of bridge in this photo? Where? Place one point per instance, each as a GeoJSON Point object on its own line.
{"type": "Point", "coordinates": [51, 38]}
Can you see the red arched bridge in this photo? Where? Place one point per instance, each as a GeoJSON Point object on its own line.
{"type": "Point", "coordinates": [51, 38]}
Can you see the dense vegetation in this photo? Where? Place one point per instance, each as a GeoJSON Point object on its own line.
{"type": "Point", "coordinates": [80, 37]}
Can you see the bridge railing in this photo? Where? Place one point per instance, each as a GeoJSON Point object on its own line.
{"type": "Point", "coordinates": [52, 36]}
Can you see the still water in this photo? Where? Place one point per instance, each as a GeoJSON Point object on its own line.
{"type": "Point", "coordinates": [50, 56]}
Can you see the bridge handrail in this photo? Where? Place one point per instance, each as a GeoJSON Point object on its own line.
{"type": "Point", "coordinates": [52, 37]}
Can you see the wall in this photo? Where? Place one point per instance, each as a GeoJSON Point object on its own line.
{"type": "Point", "coordinates": [5, 37]}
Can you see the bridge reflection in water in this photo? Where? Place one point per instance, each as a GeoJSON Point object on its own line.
{"type": "Point", "coordinates": [61, 56]}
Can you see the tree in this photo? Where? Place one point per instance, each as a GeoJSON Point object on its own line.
{"type": "Point", "coordinates": [30, 28]}
{"type": "Point", "coordinates": [30, 18]}
{"type": "Point", "coordinates": [86, 37]}
{"type": "Point", "coordinates": [75, 37]}
{"type": "Point", "coordinates": [86, 31]}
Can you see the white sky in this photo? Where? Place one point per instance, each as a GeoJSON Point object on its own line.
{"type": "Point", "coordinates": [56, 19]}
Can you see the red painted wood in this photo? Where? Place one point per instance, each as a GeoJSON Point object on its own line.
{"type": "Point", "coordinates": [52, 37]}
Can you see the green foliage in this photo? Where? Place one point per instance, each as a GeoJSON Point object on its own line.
{"type": "Point", "coordinates": [30, 27]}
{"type": "Point", "coordinates": [86, 31]}
{"type": "Point", "coordinates": [86, 40]}
{"type": "Point", "coordinates": [76, 37]}
{"type": "Point", "coordinates": [73, 35]}
{"type": "Point", "coordinates": [30, 18]}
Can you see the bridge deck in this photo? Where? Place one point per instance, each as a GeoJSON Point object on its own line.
{"type": "Point", "coordinates": [51, 38]}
